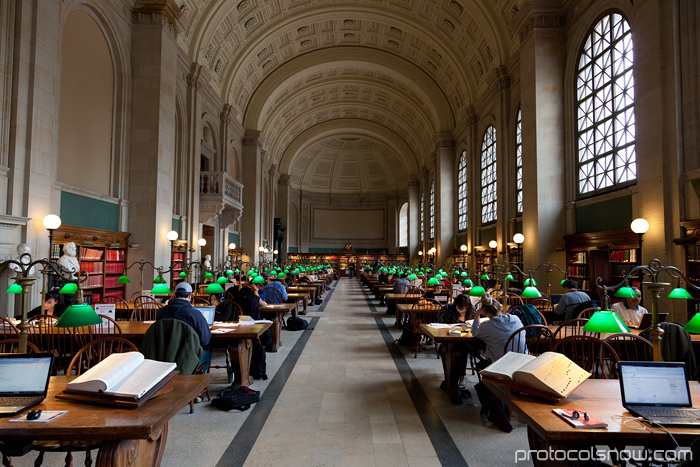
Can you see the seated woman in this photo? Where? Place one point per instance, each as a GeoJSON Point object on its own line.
{"type": "Point", "coordinates": [456, 312]}
{"type": "Point", "coordinates": [496, 331]}
{"type": "Point", "coordinates": [223, 310]}
{"type": "Point", "coordinates": [248, 301]}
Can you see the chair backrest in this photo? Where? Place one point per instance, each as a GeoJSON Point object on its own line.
{"type": "Point", "coordinates": [236, 308]}
{"type": "Point", "coordinates": [272, 295]}
{"type": "Point", "coordinates": [12, 346]}
{"type": "Point", "coordinates": [85, 334]}
{"type": "Point", "coordinates": [48, 338]}
{"type": "Point", "coordinates": [590, 353]}
{"type": "Point", "coordinates": [425, 312]}
{"type": "Point", "coordinates": [200, 301]}
{"type": "Point", "coordinates": [97, 350]}
{"type": "Point", "coordinates": [631, 347]}
{"type": "Point", "coordinates": [572, 327]}
{"type": "Point", "coordinates": [145, 309]}
{"type": "Point", "coordinates": [587, 312]}
{"type": "Point", "coordinates": [676, 346]}
{"type": "Point", "coordinates": [536, 337]}
{"type": "Point", "coordinates": [7, 329]}
{"type": "Point", "coordinates": [172, 340]}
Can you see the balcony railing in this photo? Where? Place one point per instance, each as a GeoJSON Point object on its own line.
{"type": "Point", "coordinates": [215, 184]}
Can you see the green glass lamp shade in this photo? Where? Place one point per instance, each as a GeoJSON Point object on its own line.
{"type": "Point", "coordinates": [464, 274]}
{"type": "Point", "coordinates": [208, 275]}
{"type": "Point", "coordinates": [78, 315]}
{"type": "Point", "coordinates": [561, 284]}
{"type": "Point", "coordinates": [70, 287]}
{"type": "Point", "coordinates": [626, 292]}
{"type": "Point", "coordinates": [484, 277]}
{"type": "Point", "coordinates": [281, 275]}
{"type": "Point", "coordinates": [412, 277]}
{"type": "Point", "coordinates": [433, 281]}
{"type": "Point", "coordinates": [531, 292]}
{"type": "Point", "coordinates": [160, 289]}
{"type": "Point", "coordinates": [429, 270]}
{"type": "Point", "coordinates": [509, 277]}
{"type": "Point", "coordinates": [183, 274]}
{"type": "Point", "coordinates": [259, 280]}
{"type": "Point", "coordinates": [693, 325]}
{"type": "Point", "coordinates": [14, 288]}
{"type": "Point", "coordinates": [252, 274]}
{"type": "Point", "coordinates": [266, 269]}
{"type": "Point", "coordinates": [237, 271]}
{"type": "Point", "coordinates": [468, 283]}
{"type": "Point", "coordinates": [222, 280]}
{"type": "Point", "coordinates": [438, 276]}
{"type": "Point", "coordinates": [530, 282]}
{"type": "Point", "coordinates": [477, 291]}
{"type": "Point", "coordinates": [295, 272]}
{"type": "Point", "coordinates": [159, 280]}
{"type": "Point", "coordinates": [229, 272]}
{"type": "Point", "coordinates": [123, 280]}
{"type": "Point", "coordinates": [441, 271]}
{"type": "Point", "coordinates": [214, 288]}
{"type": "Point", "coordinates": [605, 321]}
{"type": "Point", "coordinates": [680, 292]}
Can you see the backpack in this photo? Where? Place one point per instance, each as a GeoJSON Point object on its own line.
{"type": "Point", "coordinates": [296, 324]}
{"type": "Point", "coordinates": [406, 336]}
{"type": "Point", "coordinates": [238, 398]}
{"type": "Point", "coordinates": [258, 364]}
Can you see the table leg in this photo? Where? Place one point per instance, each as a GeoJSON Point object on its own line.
{"type": "Point", "coordinates": [306, 306]}
{"type": "Point", "coordinates": [133, 452]}
{"type": "Point", "coordinates": [381, 298]}
{"type": "Point", "coordinates": [241, 353]}
{"type": "Point", "coordinates": [275, 331]}
{"type": "Point", "coordinates": [452, 367]}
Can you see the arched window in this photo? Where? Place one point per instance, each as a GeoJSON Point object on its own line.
{"type": "Point", "coordinates": [432, 210]}
{"type": "Point", "coordinates": [519, 162]}
{"type": "Point", "coordinates": [422, 218]}
{"type": "Point", "coordinates": [462, 192]}
{"type": "Point", "coordinates": [403, 225]}
{"type": "Point", "coordinates": [488, 176]}
{"type": "Point", "coordinates": [605, 102]}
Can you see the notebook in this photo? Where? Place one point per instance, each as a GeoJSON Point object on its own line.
{"type": "Point", "coordinates": [646, 319]}
{"type": "Point", "coordinates": [657, 391]}
{"type": "Point", "coordinates": [24, 381]}
{"type": "Point", "coordinates": [207, 312]}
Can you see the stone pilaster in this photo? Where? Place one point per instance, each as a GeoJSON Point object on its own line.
{"type": "Point", "coordinates": [445, 199]}
{"type": "Point", "coordinates": [413, 217]}
{"type": "Point", "coordinates": [251, 224]}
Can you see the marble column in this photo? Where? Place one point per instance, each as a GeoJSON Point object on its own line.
{"type": "Point", "coordinates": [445, 200]}
{"type": "Point", "coordinates": [413, 218]}
{"type": "Point", "coordinates": [251, 177]}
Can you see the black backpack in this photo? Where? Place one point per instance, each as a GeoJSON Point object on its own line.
{"type": "Point", "coordinates": [258, 364]}
{"type": "Point", "coordinates": [406, 335]}
{"type": "Point", "coordinates": [238, 398]}
{"type": "Point", "coordinates": [296, 324]}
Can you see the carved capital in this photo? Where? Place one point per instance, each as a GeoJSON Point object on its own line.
{"type": "Point", "coordinates": [156, 16]}
{"type": "Point", "coordinates": [252, 138]}
{"type": "Point", "coordinates": [471, 117]}
{"type": "Point", "coordinates": [503, 80]}
{"type": "Point", "coordinates": [193, 77]}
{"type": "Point", "coordinates": [225, 115]}
{"type": "Point", "coordinates": [444, 140]}
{"type": "Point", "coordinates": [541, 21]}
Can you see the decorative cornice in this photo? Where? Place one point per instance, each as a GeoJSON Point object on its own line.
{"type": "Point", "coordinates": [541, 21]}
{"type": "Point", "coordinates": [155, 18]}
{"type": "Point", "coordinates": [252, 138]}
{"type": "Point", "coordinates": [11, 222]}
{"type": "Point", "coordinates": [161, 12]}
{"type": "Point", "coordinates": [193, 76]}
{"type": "Point", "coordinates": [444, 140]}
{"type": "Point", "coordinates": [471, 117]}
{"type": "Point", "coordinates": [225, 115]}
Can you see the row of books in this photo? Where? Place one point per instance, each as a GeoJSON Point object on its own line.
{"type": "Point", "coordinates": [93, 281]}
{"type": "Point", "coordinates": [55, 251]}
{"type": "Point", "coordinates": [91, 254]}
{"type": "Point", "coordinates": [623, 256]}
{"type": "Point", "coordinates": [115, 293]}
{"type": "Point", "coordinates": [115, 255]}
{"type": "Point", "coordinates": [579, 257]}
{"type": "Point", "coordinates": [92, 267]}
{"type": "Point", "coordinates": [111, 281]}
{"type": "Point", "coordinates": [114, 268]}
{"type": "Point", "coordinates": [178, 256]}
{"type": "Point", "coordinates": [92, 298]}
{"type": "Point", "coordinates": [694, 252]}
{"type": "Point", "coordinates": [577, 271]}
{"type": "Point", "coordinates": [582, 284]}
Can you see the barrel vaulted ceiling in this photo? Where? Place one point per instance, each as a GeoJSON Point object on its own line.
{"type": "Point", "coordinates": [349, 95]}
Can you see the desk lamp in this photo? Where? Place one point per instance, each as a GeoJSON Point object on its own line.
{"type": "Point", "coordinates": [605, 321]}
{"type": "Point", "coordinates": [214, 288]}
{"type": "Point", "coordinates": [477, 291]}
{"type": "Point", "coordinates": [78, 314]}
{"type": "Point", "coordinates": [259, 280]}
{"type": "Point", "coordinates": [14, 288]}
{"type": "Point", "coordinates": [222, 280]}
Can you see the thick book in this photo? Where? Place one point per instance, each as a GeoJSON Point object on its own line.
{"type": "Point", "coordinates": [122, 379]}
{"type": "Point", "coordinates": [579, 418]}
{"type": "Point", "coordinates": [550, 376]}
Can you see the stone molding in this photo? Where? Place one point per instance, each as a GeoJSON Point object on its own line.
{"type": "Point", "coordinates": [541, 21]}
{"type": "Point", "coordinates": [8, 222]}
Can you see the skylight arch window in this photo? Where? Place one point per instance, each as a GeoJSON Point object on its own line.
{"type": "Point", "coordinates": [489, 202]}
{"type": "Point", "coordinates": [432, 210]}
{"type": "Point", "coordinates": [422, 218]}
{"type": "Point", "coordinates": [605, 128]}
{"type": "Point", "coordinates": [462, 192]}
{"type": "Point", "coordinates": [519, 162]}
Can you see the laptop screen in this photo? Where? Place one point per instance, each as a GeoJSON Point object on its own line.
{"type": "Point", "coordinates": [207, 312]}
{"type": "Point", "coordinates": [654, 383]}
{"type": "Point", "coordinates": [24, 374]}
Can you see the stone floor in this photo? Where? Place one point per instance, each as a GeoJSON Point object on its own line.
{"type": "Point", "coordinates": [337, 395]}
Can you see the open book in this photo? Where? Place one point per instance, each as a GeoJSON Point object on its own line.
{"type": "Point", "coordinates": [550, 376]}
{"type": "Point", "coordinates": [124, 374]}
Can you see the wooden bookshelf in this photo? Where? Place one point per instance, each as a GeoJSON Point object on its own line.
{"type": "Point", "coordinates": [690, 241]}
{"type": "Point", "coordinates": [102, 255]}
{"type": "Point", "coordinates": [608, 255]}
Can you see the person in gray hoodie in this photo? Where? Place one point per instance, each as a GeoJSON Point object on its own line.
{"type": "Point", "coordinates": [496, 331]}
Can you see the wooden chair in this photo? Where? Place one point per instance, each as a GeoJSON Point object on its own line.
{"type": "Point", "coordinates": [48, 338]}
{"type": "Point", "coordinates": [510, 299]}
{"type": "Point", "coordinates": [590, 353]}
{"type": "Point", "coordinates": [145, 309]}
{"type": "Point", "coordinates": [588, 312]}
{"type": "Point", "coordinates": [545, 307]}
{"type": "Point", "coordinates": [122, 310]}
{"type": "Point", "coordinates": [572, 327]}
{"type": "Point", "coordinates": [423, 312]}
{"type": "Point", "coordinates": [273, 296]}
{"type": "Point", "coordinates": [538, 339]}
{"type": "Point", "coordinates": [7, 329]}
{"type": "Point", "coordinates": [107, 328]}
{"type": "Point", "coordinates": [631, 347]}
{"type": "Point", "coordinates": [12, 346]}
{"type": "Point", "coordinates": [200, 301]}
{"type": "Point", "coordinates": [85, 358]}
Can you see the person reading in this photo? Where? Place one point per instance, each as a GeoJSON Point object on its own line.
{"type": "Point", "coordinates": [629, 309]}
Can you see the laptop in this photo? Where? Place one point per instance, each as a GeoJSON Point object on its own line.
{"type": "Point", "coordinates": [658, 391]}
{"type": "Point", "coordinates": [24, 381]}
{"type": "Point", "coordinates": [207, 312]}
{"type": "Point", "coordinates": [646, 319]}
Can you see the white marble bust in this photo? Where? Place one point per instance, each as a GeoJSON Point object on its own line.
{"type": "Point", "coordinates": [22, 248]}
{"type": "Point", "coordinates": [207, 262]}
{"type": "Point", "coordinates": [68, 262]}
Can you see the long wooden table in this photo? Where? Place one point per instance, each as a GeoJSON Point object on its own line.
{"type": "Point", "coordinates": [275, 313]}
{"type": "Point", "coordinates": [237, 342]}
{"type": "Point", "coordinates": [302, 297]}
{"type": "Point", "coordinates": [601, 399]}
{"type": "Point", "coordinates": [309, 288]}
{"type": "Point", "coordinates": [133, 437]}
